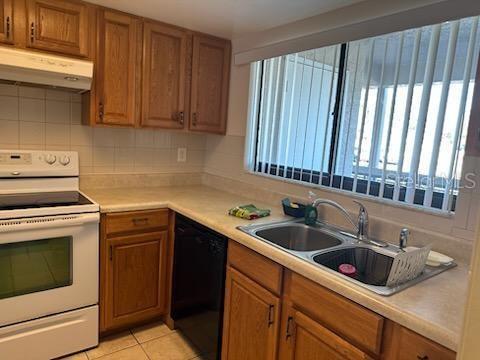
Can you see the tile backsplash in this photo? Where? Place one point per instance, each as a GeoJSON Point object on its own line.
{"type": "Point", "coordinates": [36, 118]}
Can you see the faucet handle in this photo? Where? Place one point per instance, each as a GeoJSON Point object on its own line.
{"type": "Point", "coordinates": [403, 239]}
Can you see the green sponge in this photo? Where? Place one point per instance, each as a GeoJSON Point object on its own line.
{"type": "Point", "coordinates": [248, 212]}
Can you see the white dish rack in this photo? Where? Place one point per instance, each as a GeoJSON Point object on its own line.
{"type": "Point", "coordinates": [408, 265]}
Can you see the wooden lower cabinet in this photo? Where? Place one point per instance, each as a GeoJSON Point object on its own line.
{"type": "Point", "coordinates": [134, 273]}
{"type": "Point", "coordinates": [316, 323]}
{"type": "Point", "coordinates": [252, 317]}
{"type": "Point", "coordinates": [136, 278]}
{"type": "Point", "coordinates": [403, 344]}
{"type": "Point", "coordinates": [356, 324]}
{"type": "Point", "coordinates": [304, 339]}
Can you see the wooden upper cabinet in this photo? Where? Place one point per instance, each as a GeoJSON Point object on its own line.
{"type": "Point", "coordinates": [165, 53]}
{"type": "Point", "coordinates": [210, 82]}
{"type": "Point", "coordinates": [58, 25]}
{"type": "Point", "coordinates": [305, 339]}
{"type": "Point", "coordinates": [6, 21]}
{"type": "Point", "coordinates": [116, 69]}
{"type": "Point", "coordinates": [251, 320]}
{"type": "Point", "coordinates": [136, 279]}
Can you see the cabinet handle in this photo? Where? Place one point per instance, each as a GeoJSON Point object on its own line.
{"type": "Point", "coordinates": [100, 110]}
{"type": "Point", "coordinates": [110, 253]}
{"type": "Point", "coordinates": [270, 315]}
{"type": "Point", "coordinates": [7, 24]}
{"type": "Point", "coordinates": [32, 32]}
{"type": "Point", "coordinates": [140, 221]}
{"type": "Point", "coordinates": [181, 117]}
{"type": "Point", "coordinates": [289, 332]}
{"type": "Point", "coordinates": [424, 357]}
{"type": "Point", "coordinates": [195, 118]}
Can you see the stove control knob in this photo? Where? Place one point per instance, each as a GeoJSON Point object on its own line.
{"type": "Point", "coordinates": [65, 160]}
{"type": "Point", "coordinates": [50, 159]}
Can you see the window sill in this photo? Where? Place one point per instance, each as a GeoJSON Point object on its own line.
{"type": "Point", "coordinates": [357, 196]}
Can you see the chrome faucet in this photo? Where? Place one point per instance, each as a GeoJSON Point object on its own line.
{"type": "Point", "coordinates": [360, 226]}
{"type": "Point", "coordinates": [362, 222]}
{"type": "Point", "coordinates": [337, 206]}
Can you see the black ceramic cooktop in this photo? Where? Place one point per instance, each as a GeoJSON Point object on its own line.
{"type": "Point", "coordinates": [42, 200]}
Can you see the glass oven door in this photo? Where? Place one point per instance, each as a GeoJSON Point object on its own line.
{"type": "Point", "coordinates": [47, 265]}
{"type": "Point", "coordinates": [36, 265]}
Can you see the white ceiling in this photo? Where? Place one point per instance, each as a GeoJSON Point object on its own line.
{"type": "Point", "coordinates": [226, 18]}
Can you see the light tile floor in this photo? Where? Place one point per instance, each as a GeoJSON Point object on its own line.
{"type": "Point", "coordinates": [150, 342]}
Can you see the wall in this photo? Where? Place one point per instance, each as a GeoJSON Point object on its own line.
{"type": "Point", "coordinates": [35, 118]}
{"type": "Point", "coordinates": [470, 346]}
{"type": "Point", "coordinates": [360, 20]}
{"type": "Point", "coordinates": [355, 13]}
{"type": "Point", "coordinates": [224, 158]}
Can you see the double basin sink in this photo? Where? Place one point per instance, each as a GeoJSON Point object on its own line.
{"type": "Point", "coordinates": [329, 247]}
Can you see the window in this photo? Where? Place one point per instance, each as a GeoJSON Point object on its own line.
{"type": "Point", "coordinates": [385, 116]}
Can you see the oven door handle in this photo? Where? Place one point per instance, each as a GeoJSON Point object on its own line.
{"type": "Point", "coordinates": [59, 221]}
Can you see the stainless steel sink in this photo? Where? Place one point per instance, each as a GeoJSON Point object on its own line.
{"type": "Point", "coordinates": [372, 267]}
{"type": "Point", "coordinates": [299, 237]}
{"type": "Point", "coordinates": [328, 247]}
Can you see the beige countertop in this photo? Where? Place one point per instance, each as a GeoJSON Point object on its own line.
{"type": "Point", "coordinates": [433, 308]}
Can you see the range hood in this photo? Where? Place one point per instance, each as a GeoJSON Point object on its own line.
{"type": "Point", "coordinates": [28, 67]}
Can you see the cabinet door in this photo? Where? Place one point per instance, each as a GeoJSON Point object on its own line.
{"type": "Point", "coordinates": [210, 81]}
{"type": "Point", "coordinates": [58, 25]}
{"type": "Point", "coordinates": [135, 278]}
{"type": "Point", "coordinates": [116, 68]}
{"type": "Point", "coordinates": [403, 344]}
{"type": "Point", "coordinates": [164, 76]}
{"type": "Point", "coordinates": [304, 339]}
{"type": "Point", "coordinates": [251, 320]}
{"type": "Point", "coordinates": [6, 21]}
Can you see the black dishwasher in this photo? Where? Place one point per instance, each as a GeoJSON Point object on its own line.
{"type": "Point", "coordinates": [198, 284]}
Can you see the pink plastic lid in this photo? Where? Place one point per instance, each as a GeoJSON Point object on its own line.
{"type": "Point", "coordinates": [347, 269]}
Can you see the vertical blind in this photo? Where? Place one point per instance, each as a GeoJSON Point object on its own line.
{"type": "Point", "coordinates": [384, 116]}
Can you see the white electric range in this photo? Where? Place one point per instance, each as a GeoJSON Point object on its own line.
{"type": "Point", "coordinates": [49, 241]}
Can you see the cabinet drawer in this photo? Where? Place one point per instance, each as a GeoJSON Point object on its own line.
{"type": "Point", "coordinates": [257, 267]}
{"type": "Point", "coordinates": [404, 344]}
{"type": "Point", "coordinates": [136, 221]}
{"type": "Point", "coordinates": [362, 327]}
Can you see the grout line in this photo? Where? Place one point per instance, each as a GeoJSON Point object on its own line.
{"type": "Point", "coordinates": [113, 352]}
{"type": "Point", "coordinates": [131, 332]}
{"type": "Point", "coordinates": [145, 352]}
